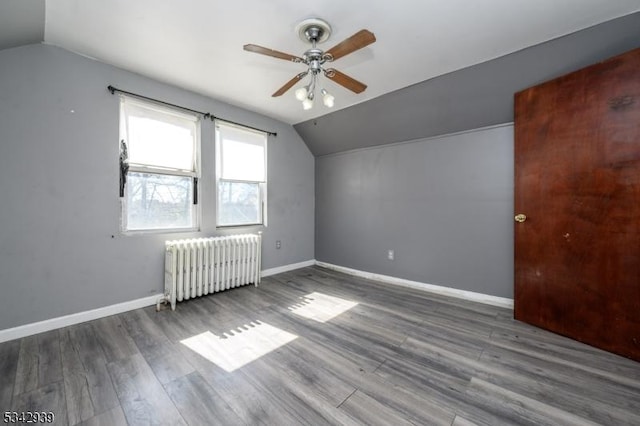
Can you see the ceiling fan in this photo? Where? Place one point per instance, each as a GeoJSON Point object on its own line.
{"type": "Point", "coordinates": [315, 31]}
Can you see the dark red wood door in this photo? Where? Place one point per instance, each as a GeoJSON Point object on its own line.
{"type": "Point", "coordinates": [577, 180]}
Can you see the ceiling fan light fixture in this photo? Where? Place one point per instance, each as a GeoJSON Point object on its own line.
{"type": "Point", "coordinates": [301, 93]}
{"type": "Point", "coordinates": [327, 99]}
{"type": "Point", "coordinates": [315, 31]}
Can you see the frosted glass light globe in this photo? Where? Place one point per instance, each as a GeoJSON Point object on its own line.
{"type": "Point", "coordinates": [301, 93]}
{"type": "Point", "coordinates": [328, 100]}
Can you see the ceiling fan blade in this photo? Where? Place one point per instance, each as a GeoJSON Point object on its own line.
{"type": "Point", "coordinates": [289, 84]}
{"type": "Point", "coordinates": [345, 81]}
{"type": "Point", "coordinates": [357, 41]}
{"type": "Point", "coordinates": [270, 52]}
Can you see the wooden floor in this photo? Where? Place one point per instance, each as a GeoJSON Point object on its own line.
{"type": "Point", "coordinates": [394, 356]}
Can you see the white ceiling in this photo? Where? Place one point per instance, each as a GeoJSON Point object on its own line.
{"type": "Point", "coordinates": [197, 44]}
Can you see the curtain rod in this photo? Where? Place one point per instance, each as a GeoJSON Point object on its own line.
{"type": "Point", "coordinates": [206, 115]}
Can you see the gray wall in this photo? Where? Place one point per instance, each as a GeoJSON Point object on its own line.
{"type": "Point", "coordinates": [445, 205]}
{"type": "Point", "coordinates": [21, 22]}
{"type": "Point", "coordinates": [60, 247]}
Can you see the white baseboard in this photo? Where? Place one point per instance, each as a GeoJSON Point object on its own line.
{"type": "Point", "coordinates": [446, 291]}
{"type": "Point", "coordinates": [67, 320]}
{"type": "Point", "coordinates": [64, 321]}
{"type": "Point", "coordinates": [287, 268]}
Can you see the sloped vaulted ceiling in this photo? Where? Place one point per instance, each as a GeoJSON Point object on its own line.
{"type": "Point", "coordinates": [433, 68]}
{"type": "Point", "coordinates": [474, 97]}
{"type": "Point", "coordinates": [197, 44]}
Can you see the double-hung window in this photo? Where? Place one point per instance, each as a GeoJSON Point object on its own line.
{"type": "Point", "coordinates": [159, 167]}
{"type": "Point", "coordinates": [241, 171]}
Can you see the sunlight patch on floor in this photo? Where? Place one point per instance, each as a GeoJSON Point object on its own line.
{"type": "Point", "coordinates": [239, 347]}
{"type": "Point", "coordinates": [321, 307]}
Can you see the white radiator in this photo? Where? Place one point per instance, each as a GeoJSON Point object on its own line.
{"type": "Point", "coordinates": [201, 266]}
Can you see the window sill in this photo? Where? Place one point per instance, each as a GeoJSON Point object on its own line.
{"type": "Point", "coordinates": [250, 225]}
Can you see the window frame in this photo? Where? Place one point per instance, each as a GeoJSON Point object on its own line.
{"type": "Point", "coordinates": [262, 186]}
{"type": "Point", "coordinates": [195, 174]}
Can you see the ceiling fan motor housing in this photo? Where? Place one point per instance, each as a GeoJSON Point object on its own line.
{"type": "Point", "coordinates": [314, 58]}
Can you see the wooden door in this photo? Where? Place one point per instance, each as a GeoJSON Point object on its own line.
{"type": "Point", "coordinates": [577, 180]}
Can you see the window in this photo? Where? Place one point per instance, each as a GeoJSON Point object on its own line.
{"type": "Point", "coordinates": [159, 167]}
{"type": "Point", "coordinates": [241, 170]}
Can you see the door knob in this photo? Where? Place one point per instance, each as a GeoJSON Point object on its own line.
{"type": "Point", "coordinates": [520, 218]}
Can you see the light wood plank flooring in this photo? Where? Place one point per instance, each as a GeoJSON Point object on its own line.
{"type": "Point", "coordinates": [314, 347]}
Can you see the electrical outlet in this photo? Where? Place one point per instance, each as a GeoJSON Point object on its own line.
{"type": "Point", "coordinates": [391, 255]}
{"type": "Point", "coordinates": [278, 244]}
